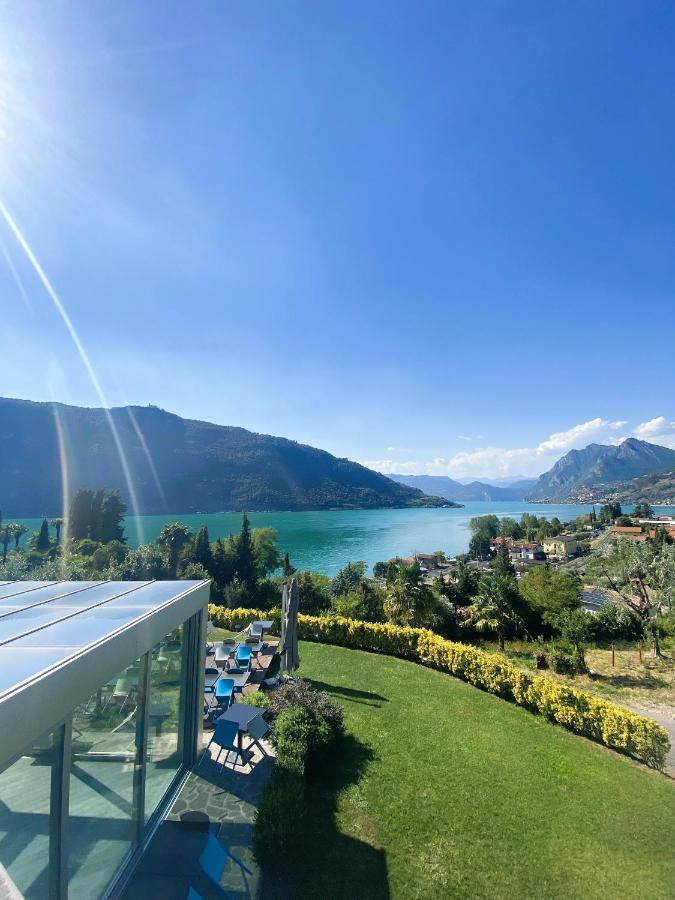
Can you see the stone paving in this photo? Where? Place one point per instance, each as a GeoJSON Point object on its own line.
{"type": "Point", "coordinates": [214, 801]}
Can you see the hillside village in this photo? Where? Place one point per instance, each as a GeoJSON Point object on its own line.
{"type": "Point", "coordinates": [565, 548]}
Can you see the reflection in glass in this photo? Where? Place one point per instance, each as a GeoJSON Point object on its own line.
{"type": "Point", "coordinates": [164, 717]}
{"type": "Point", "coordinates": [101, 816]}
{"type": "Point", "coordinates": [25, 790]}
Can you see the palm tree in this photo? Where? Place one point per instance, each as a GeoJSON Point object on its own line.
{"type": "Point", "coordinates": [57, 524]}
{"type": "Point", "coordinates": [18, 532]}
{"type": "Point", "coordinates": [5, 538]}
{"type": "Point", "coordinates": [494, 607]}
{"type": "Point", "coordinates": [173, 538]}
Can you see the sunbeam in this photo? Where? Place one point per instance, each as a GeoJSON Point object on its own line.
{"type": "Point", "coordinates": [17, 278]}
{"type": "Point", "coordinates": [65, 473]}
{"type": "Point", "coordinates": [148, 455]}
{"type": "Point", "coordinates": [25, 246]}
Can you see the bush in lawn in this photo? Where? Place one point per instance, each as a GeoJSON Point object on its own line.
{"type": "Point", "coordinates": [298, 694]}
{"type": "Point", "coordinates": [280, 818]}
{"type": "Point", "coordinates": [541, 659]}
{"type": "Point", "coordinates": [300, 731]}
{"type": "Point", "coordinates": [565, 659]}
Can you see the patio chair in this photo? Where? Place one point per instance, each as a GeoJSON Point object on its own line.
{"type": "Point", "coordinates": [257, 729]}
{"type": "Point", "coordinates": [242, 657]}
{"type": "Point", "coordinates": [255, 630]}
{"type": "Point", "coordinates": [224, 693]}
{"type": "Point", "coordinates": [256, 645]}
{"type": "Point", "coordinates": [225, 738]}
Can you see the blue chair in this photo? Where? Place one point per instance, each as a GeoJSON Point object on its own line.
{"type": "Point", "coordinates": [225, 738]}
{"type": "Point", "coordinates": [224, 693]}
{"type": "Point", "coordinates": [193, 895]}
{"type": "Point", "coordinates": [214, 858]}
{"type": "Point", "coordinates": [243, 657]}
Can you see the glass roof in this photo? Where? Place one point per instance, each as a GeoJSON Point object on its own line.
{"type": "Point", "coordinates": [43, 623]}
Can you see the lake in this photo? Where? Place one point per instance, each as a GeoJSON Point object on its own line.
{"type": "Point", "coordinates": [325, 540]}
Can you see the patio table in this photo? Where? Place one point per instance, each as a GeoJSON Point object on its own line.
{"type": "Point", "coordinates": [210, 682]}
{"type": "Point", "coordinates": [239, 679]}
{"type": "Point", "coordinates": [242, 714]}
{"type": "Point", "coordinates": [223, 654]}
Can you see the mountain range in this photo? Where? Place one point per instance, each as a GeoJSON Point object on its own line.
{"type": "Point", "coordinates": [580, 473]}
{"type": "Point", "coordinates": [443, 486]}
{"type": "Point", "coordinates": [633, 470]}
{"type": "Point", "coordinates": [175, 465]}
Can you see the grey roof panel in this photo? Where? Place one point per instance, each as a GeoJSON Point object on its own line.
{"type": "Point", "coordinates": [62, 639]}
{"type": "Point", "coordinates": [13, 588]}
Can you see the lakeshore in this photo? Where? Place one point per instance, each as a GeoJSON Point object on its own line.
{"type": "Point", "coordinates": [324, 540]}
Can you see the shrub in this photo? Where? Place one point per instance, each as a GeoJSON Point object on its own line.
{"type": "Point", "coordinates": [279, 819]}
{"type": "Point", "coordinates": [292, 737]}
{"type": "Point", "coordinates": [258, 698]}
{"type": "Point", "coordinates": [300, 731]}
{"type": "Point", "coordinates": [540, 659]}
{"type": "Point", "coordinates": [565, 660]}
{"type": "Point", "coordinates": [298, 694]}
{"type": "Point", "coordinates": [575, 710]}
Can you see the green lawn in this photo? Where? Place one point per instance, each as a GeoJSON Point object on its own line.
{"type": "Point", "coordinates": [443, 791]}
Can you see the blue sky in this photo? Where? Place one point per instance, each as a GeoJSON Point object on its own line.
{"type": "Point", "coordinates": [436, 237]}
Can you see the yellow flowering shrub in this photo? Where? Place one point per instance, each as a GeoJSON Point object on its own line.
{"type": "Point", "coordinates": [575, 710]}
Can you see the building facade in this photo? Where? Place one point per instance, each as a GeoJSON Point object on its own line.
{"type": "Point", "coordinates": [101, 700]}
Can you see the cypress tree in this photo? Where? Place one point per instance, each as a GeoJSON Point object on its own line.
{"type": "Point", "coordinates": [79, 516]}
{"type": "Point", "coordinates": [245, 555]}
{"type": "Point", "coordinates": [43, 542]}
{"type": "Point", "coordinates": [502, 564]}
{"type": "Point", "coordinates": [201, 549]}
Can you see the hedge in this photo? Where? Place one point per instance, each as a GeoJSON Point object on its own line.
{"type": "Point", "coordinates": [595, 718]}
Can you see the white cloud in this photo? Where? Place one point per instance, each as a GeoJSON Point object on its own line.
{"type": "Point", "coordinates": [495, 462]}
{"type": "Point", "coordinates": [658, 430]}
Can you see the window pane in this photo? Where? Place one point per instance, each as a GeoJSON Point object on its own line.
{"type": "Point", "coordinates": [165, 719]}
{"type": "Point", "coordinates": [101, 820]}
{"type": "Point", "coordinates": [25, 790]}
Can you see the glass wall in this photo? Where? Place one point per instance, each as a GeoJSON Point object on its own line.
{"type": "Point", "coordinates": [25, 792]}
{"type": "Point", "coordinates": [124, 747]}
{"type": "Point", "coordinates": [165, 703]}
{"type": "Point", "coordinates": [102, 822]}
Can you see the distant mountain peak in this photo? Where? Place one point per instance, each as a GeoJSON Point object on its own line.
{"type": "Point", "coordinates": [444, 486]}
{"type": "Point", "coordinates": [599, 464]}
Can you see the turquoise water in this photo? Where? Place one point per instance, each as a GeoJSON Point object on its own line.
{"type": "Point", "coordinates": [325, 540]}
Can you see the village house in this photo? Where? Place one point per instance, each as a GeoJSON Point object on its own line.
{"type": "Point", "coordinates": [527, 551]}
{"type": "Point", "coordinates": [563, 545]}
{"type": "Point", "coordinates": [630, 532]}
{"type": "Point", "coordinates": [427, 561]}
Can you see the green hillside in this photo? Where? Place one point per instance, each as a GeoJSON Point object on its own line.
{"type": "Point", "coordinates": [175, 465]}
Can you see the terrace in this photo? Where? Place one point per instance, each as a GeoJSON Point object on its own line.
{"type": "Point", "coordinates": [212, 801]}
